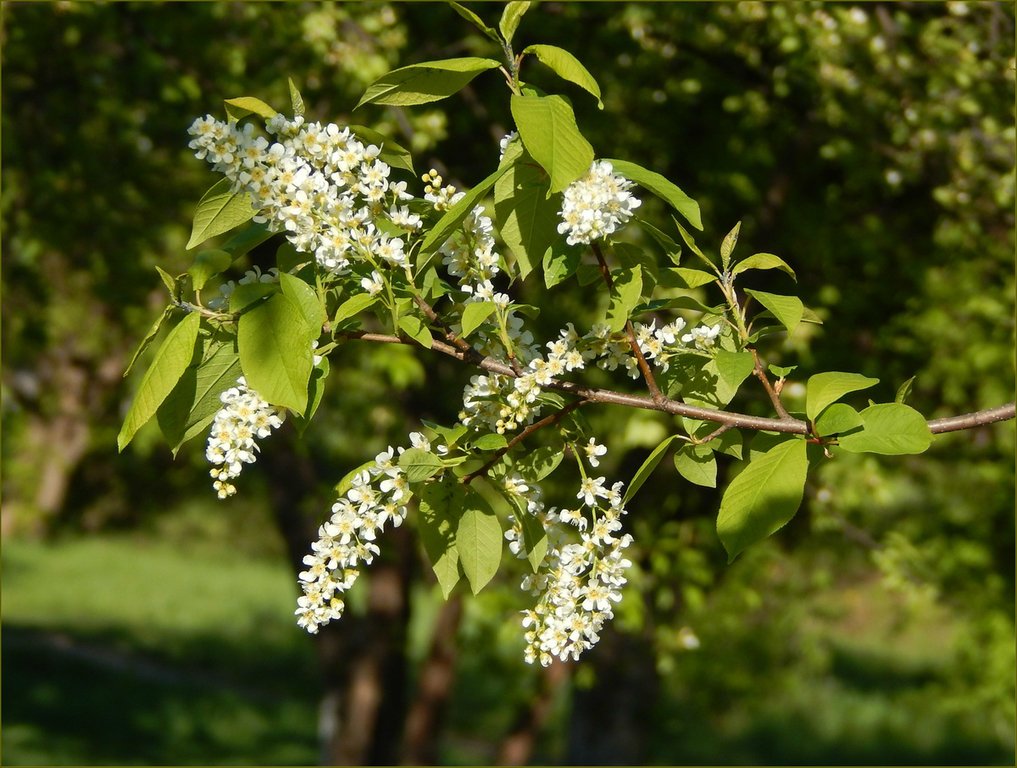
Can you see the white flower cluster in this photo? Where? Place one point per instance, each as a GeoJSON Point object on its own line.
{"type": "Point", "coordinates": [504, 403]}
{"type": "Point", "coordinates": [578, 582]}
{"type": "Point", "coordinates": [243, 417]}
{"type": "Point", "coordinates": [377, 496]}
{"type": "Point", "coordinates": [596, 205]}
{"type": "Point", "coordinates": [318, 183]}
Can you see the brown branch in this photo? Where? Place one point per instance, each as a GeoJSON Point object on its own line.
{"type": "Point", "coordinates": [428, 310]}
{"type": "Point", "coordinates": [789, 425]}
{"type": "Point", "coordinates": [778, 406]}
{"type": "Point", "coordinates": [547, 421]}
{"type": "Point", "coordinates": [630, 331]}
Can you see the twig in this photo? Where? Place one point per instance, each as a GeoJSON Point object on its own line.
{"type": "Point", "coordinates": [778, 406]}
{"type": "Point", "coordinates": [644, 367]}
{"type": "Point", "coordinates": [789, 425]}
{"type": "Point", "coordinates": [547, 421]}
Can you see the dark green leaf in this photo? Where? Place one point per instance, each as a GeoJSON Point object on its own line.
{"type": "Point", "coordinates": [247, 295]}
{"type": "Point", "coordinates": [455, 215]}
{"type": "Point", "coordinates": [207, 264]}
{"type": "Point", "coordinates": [392, 153]}
{"type": "Point", "coordinates": [647, 467]}
{"type": "Point", "coordinates": [152, 333]}
{"type": "Point", "coordinates": [536, 465]}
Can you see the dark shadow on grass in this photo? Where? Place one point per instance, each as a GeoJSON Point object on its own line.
{"type": "Point", "coordinates": [70, 700]}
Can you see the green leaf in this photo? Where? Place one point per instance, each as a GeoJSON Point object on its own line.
{"type": "Point", "coordinates": [246, 238]}
{"type": "Point", "coordinates": [825, 388]}
{"type": "Point", "coordinates": [476, 21]}
{"type": "Point", "coordinates": [248, 105]}
{"type": "Point", "coordinates": [353, 306]}
{"type": "Point", "coordinates": [547, 127]}
{"type": "Point", "coordinates": [169, 364]}
{"type": "Point", "coordinates": [837, 419]}
{"type": "Point", "coordinates": [567, 67]}
{"type": "Point", "coordinates": [628, 285]}
{"type": "Point", "coordinates": [787, 309]}
{"type": "Point", "coordinates": [219, 210]}
{"type": "Point", "coordinates": [170, 282]}
{"type": "Point", "coordinates": [424, 82]}
{"type": "Point", "coordinates": [474, 314]}
{"type": "Point", "coordinates": [296, 100]}
{"type": "Point", "coordinates": [781, 371]}
{"type": "Point", "coordinates": [247, 295]}
{"type": "Point", "coordinates": [392, 153]}
{"type": "Point", "coordinates": [454, 216]}
{"type": "Point", "coordinates": [629, 255]}
{"type": "Point", "coordinates": [440, 507]}
{"type": "Point", "coordinates": [315, 391]}
{"type": "Point", "coordinates": [690, 242]}
{"type": "Point", "coordinates": [208, 264]}
{"type": "Point", "coordinates": [671, 248]}
{"type": "Point", "coordinates": [728, 245]}
{"type": "Point", "coordinates": [344, 485]}
{"type": "Point", "coordinates": [492, 441]}
{"type": "Point", "coordinates": [763, 261]}
{"type": "Point", "coordinates": [510, 19]}
{"type": "Point", "coordinates": [692, 278]}
{"type": "Point", "coordinates": [479, 540]}
{"type": "Point", "coordinates": [538, 464]}
{"type": "Point", "coordinates": [560, 265]}
{"type": "Point", "coordinates": [526, 212]}
{"type": "Point", "coordinates": [647, 467]}
{"type": "Point", "coordinates": [306, 299]}
{"type": "Point", "coordinates": [904, 390]}
{"type": "Point", "coordinates": [729, 443]}
{"type": "Point", "coordinates": [194, 401]}
{"type": "Point", "coordinates": [420, 464]}
{"type": "Point", "coordinates": [416, 330]}
{"type": "Point", "coordinates": [697, 464]}
{"type": "Point", "coordinates": [662, 188]}
{"type": "Point", "coordinates": [890, 429]}
{"type": "Point", "coordinates": [762, 499]}
{"type": "Point", "coordinates": [734, 367]}
{"type": "Point", "coordinates": [534, 538]}
{"type": "Point", "coordinates": [275, 351]}
{"type": "Point", "coordinates": [152, 333]}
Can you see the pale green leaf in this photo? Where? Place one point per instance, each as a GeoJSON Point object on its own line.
{"type": "Point", "coordinates": [547, 127]}
{"type": "Point", "coordinates": [169, 364]}
{"type": "Point", "coordinates": [647, 467]}
{"type": "Point", "coordinates": [440, 507]}
{"type": "Point", "coordinates": [346, 483]}
{"type": "Point", "coordinates": [734, 367]}
{"type": "Point", "coordinates": [538, 464]}
{"type": "Point", "coordinates": [764, 497]}
{"type": "Point", "coordinates": [697, 464]}
{"type": "Point", "coordinates": [476, 21]}
{"type": "Point", "coordinates": [248, 294]}
{"type": "Point", "coordinates": [425, 82]}
{"type": "Point", "coordinates": [475, 314]}
{"type": "Point", "coordinates": [296, 100]}
{"type": "Point", "coordinates": [274, 342]}
{"type": "Point", "coordinates": [420, 464]}
{"type": "Point", "coordinates": [889, 429]}
{"type": "Point", "coordinates": [478, 540]}
{"type": "Point", "coordinates": [787, 309]}
{"type": "Point", "coordinates": [218, 211]}
{"type": "Point", "coordinates": [510, 19]}
{"type": "Point", "coordinates": [666, 190]}
{"type": "Point", "coordinates": [416, 330]}
{"type": "Point", "coordinates": [837, 419]}
{"type": "Point", "coordinates": [904, 390]}
{"type": "Point", "coordinates": [248, 105]}
{"type": "Point", "coordinates": [763, 261]}
{"type": "Point", "coordinates": [534, 537]}
{"type": "Point", "coordinates": [306, 299]}
{"type": "Point", "coordinates": [728, 246]}
{"type": "Point", "coordinates": [567, 67]}
{"type": "Point", "coordinates": [208, 264]}
{"type": "Point", "coordinates": [825, 388]}
{"type": "Point", "coordinates": [454, 216]}
{"type": "Point", "coordinates": [354, 306]}
{"type": "Point", "coordinates": [492, 441]}
{"type": "Point", "coordinates": [392, 153]}
{"type": "Point", "coordinates": [625, 292]}
{"type": "Point", "coordinates": [692, 278]}
{"type": "Point", "coordinates": [246, 238]}
{"type": "Point", "coordinates": [152, 333]}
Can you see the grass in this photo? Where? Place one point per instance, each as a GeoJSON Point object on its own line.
{"type": "Point", "coordinates": [122, 651]}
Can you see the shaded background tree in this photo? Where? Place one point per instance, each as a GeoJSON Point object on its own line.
{"type": "Point", "coordinates": [872, 147]}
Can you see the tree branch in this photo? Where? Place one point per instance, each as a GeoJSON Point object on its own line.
{"type": "Point", "coordinates": [790, 425]}
{"type": "Point", "coordinates": [778, 406]}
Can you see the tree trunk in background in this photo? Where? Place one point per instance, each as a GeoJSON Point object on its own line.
{"type": "Point", "coordinates": [529, 721]}
{"type": "Point", "coordinates": [611, 721]}
{"type": "Point", "coordinates": [423, 723]}
{"type": "Point", "coordinates": [362, 659]}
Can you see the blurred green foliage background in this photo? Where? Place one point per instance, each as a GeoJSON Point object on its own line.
{"type": "Point", "coordinates": [869, 145]}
